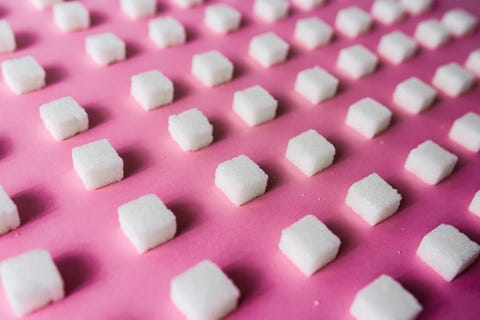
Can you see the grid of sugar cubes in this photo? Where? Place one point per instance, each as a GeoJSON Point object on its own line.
{"type": "Point", "coordinates": [368, 117]}
{"type": "Point", "coordinates": [459, 22]}
{"type": "Point", "coordinates": [384, 298]}
{"type": "Point", "coordinates": [9, 217]}
{"type": "Point", "coordinates": [268, 49]}
{"type": "Point", "coordinates": [105, 48]}
{"type": "Point", "coordinates": [308, 4]}
{"type": "Point", "coordinates": [30, 281]}
{"type": "Point", "coordinates": [23, 74]}
{"type": "Point", "coordinates": [353, 21]}
{"type": "Point", "coordinates": [7, 37]}
{"type": "Point", "coordinates": [447, 251]}
{"type": "Point", "coordinates": [316, 84]}
{"type": "Point", "coordinates": [431, 34]}
{"type": "Point", "coordinates": [474, 206]}
{"type": "Point", "coordinates": [413, 95]}
{"type": "Point", "coordinates": [190, 129]}
{"type": "Point", "coordinates": [430, 162]}
{"type": "Point", "coordinates": [387, 11]}
{"type": "Point", "coordinates": [166, 32]}
{"type": "Point", "coordinates": [472, 63]}
{"type": "Point", "coordinates": [309, 244]}
{"type": "Point", "coordinates": [396, 47]}
{"type": "Point", "coordinates": [212, 68]}
{"type": "Point", "coordinates": [270, 10]}
{"type": "Point", "coordinates": [254, 105]}
{"type": "Point", "coordinates": [44, 4]}
{"type": "Point", "coordinates": [204, 291]}
{"type": "Point", "coordinates": [222, 18]}
{"type": "Point", "coordinates": [151, 89]}
{"type": "Point", "coordinates": [416, 7]}
{"type": "Point", "coordinates": [312, 32]}
{"type": "Point", "coordinates": [466, 131]}
{"type": "Point", "coordinates": [357, 61]}
{"type": "Point", "coordinates": [139, 9]}
{"type": "Point", "coordinates": [63, 117]}
{"type": "Point", "coordinates": [452, 79]}
{"type": "Point", "coordinates": [71, 16]}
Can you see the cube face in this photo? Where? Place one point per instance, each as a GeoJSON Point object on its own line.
{"type": "Point", "coordinates": [254, 105]}
{"type": "Point", "coordinates": [447, 251]}
{"type": "Point", "coordinates": [466, 131]}
{"type": "Point", "coordinates": [105, 48]}
{"type": "Point", "coordinates": [368, 117]}
{"type": "Point", "coordinates": [9, 218]}
{"type": "Point", "coordinates": [268, 49]}
{"type": "Point", "coordinates": [474, 206]}
{"type": "Point", "coordinates": [430, 162]}
{"type": "Point", "coordinates": [432, 34]}
{"type": "Point", "coordinates": [44, 4]}
{"type": "Point", "coordinates": [373, 199]}
{"type": "Point", "coordinates": [397, 47]}
{"type": "Point", "coordinates": [416, 7]}
{"type": "Point", "coordinates": [138, 9]}
{"type": "Point", "coordinates": [30, 281]}
{"type": "Point", "coordinates": [357, 61]}
{"type": "Point", "coordinates": [71, 16]}
{"type": "Point", "coordinates": [151, 89]}
{"type": "Point", "coordinates": [413, 95]}
{"type": "Point", "coordinates": [191, 130]}
{"type": "Point", "coordinates": [270, 10]}
{"type": "Point", "coordinates": [387, 11]}
{"type": "Point", "coordinates": [353, 21]}
{"type": "Point", "coordinates": [316, 84]}
{"type": "Point", "coordinates": [310, 152]}
{"type": "Point", "coordinates": [64, 118]}
{"type": "Point", "coordinates": [452, 79]}
{"type": "Point", "coordinates": [204, 292]}
{"type": "Point", "coordinates": [166, 32]}
{"type": "Point", "coordinates": [23, 74]}
{"type": "Point", "coordinates": [7, 38]}
{"type": "Point", "coordinates": [312, 32]}
{"type": "Point", "coordinates": [384, 298]}
{"type": "Point", "coordinates": [240, 179]}
{"type": "Point", "coordinates": [97, 164]}
{"type": "Point", "coordinates": [459, 22]}
{"type": "Point", "coordinates": [473, 62]}
{"type": "Point", "coordinates": [212, 68]}
{"type": "Point", "coordinates": [222, 18]}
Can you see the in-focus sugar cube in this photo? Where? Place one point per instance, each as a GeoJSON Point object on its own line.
{"type": "Point", "coordinates": [190, 129]}
{"type": "Point", "coordinates": [312, 32]}
{"type": "Point", "coordinates": [308, 4]}
{"type": "Point", "coordinates": [309, 244]}
{"type": "Point", "coordinates": [431, 34]}
{"type": "Point", "coordinates": [368, 117]}
{"type": "Point", "coordinates": [44, 4]}
{"type": "Point", "coordinates": [416, 7]}
{"type": "Point", "coordinates": [71, 16]}
{"type": "Point", "coordinates": [30, 281]}
{"type": "Point", "coordinates": [385, 298]}
{"type": "Point", "coordinates": [316, 84]}
{"type": "Point", "coordinates": [63, 117]}
{"type": "Point", "coordinates": [357, 61]}
{"type": "Point", "coordinates": [7, 38]}
{"type": "Point", "coordinates": [9, 218]}
{"type": "Point", "coordinates": [212, 68]}
{"type": "Point", "coordinates": [204, 292]}
{"type": "Point", "coordinates": [105, 48]}
{"type": "Point", "coordinates": [138, 9]}
{"type": "Point", "coordinates": [254, 105]}
{"type": "Point", "coordinates": [23, 74]}
{"type": "Point", "coordinates": [270, 10]}
{"type": "Point", "coordinates": [430, 162]}
{"type": "Point", "coordinates": [414, 95]}
{"type": "Point", "coordinates": [310, 152]}
{"type": "Point", "coordinates": [151, 89]}
{"type": "Point", "coordinates": [97, 164]}
{"type": "Point", "coordinates": [466, 131]}
{"type": "Point", "coordinates": [396, 47]}
{"type": "Point", "coordinates": [240, 179]}
{"type": "Point", "coordinates": [268, 49]}
{"type": "Point", "coordinates": [459, 22]}
{"type": "Point", "coordinates": [387, 11]}
{"type": "Point", "coordinates": [473, 62]}
{"type": "Point", "coordinates": [373, 199]}
{"type": "Point", "coordinates": [474, 206]}
{"type": "Point", "coordinates": [187, 3]}
{"type": "Point", "coordinates": [452, 79]}
{"type": "Point", "coordinates": [166, 32]}
{"type": "Point", "coordinates": [353, 21]}
{"type": "Point", "coordinates": [222, 18]}
{"type": "Point", "coordinates": [447, 251]}
{"type": "Point", "coordinates": [147, 222]}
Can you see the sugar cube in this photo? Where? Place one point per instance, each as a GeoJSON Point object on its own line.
{"type": "Point", "coordinates": [447, 251]}
{"type": "Point", "coordinates": [414, 95]}
{"type": "Point", "coordinates": [368, 117]}
{"type": "Point", "coordinates": [452, 79]}
{"type": "Point", "coordinates": [166, 32]}
{"type": "Point", "coordinates": [23, 74]}
{"type": "Point", "coordinates": [151, 89]}
{"type": "Point", "coordinates": [416, 7]}
{"type": "Point", "coordinates": [268, 49]}
{"type": "Point", "coordinates": [71, 16]}
{"type": "Point", "coordinates": [473, 62]}
{"type": "Point", "coordinates": [204, 292]}
{"type": "Point", "coordinates": [44, 4]}
{"type": "Point", "coordinates": [312, 32]}
{"type": "Point", "coordinates": [147, 222]}
{"type": "Point", "coordinates": [7, 38]}
{"type": "Point", "coordinates": [240, 179]}
{"type": "Point", "coordinates": [308, 4]}
{"type": "Point", "coordinates": [9, 218]}
{"type": "Point", "coordinates": [254, 105]}
{"type": "Point", "coordinates": [353, 21]}
{"type": "Point", "coordinates": [138, 9]}
{"type": "Point", "coordinates": [459, 22]}
{"type": "Point", "coordinates": [357, 61]}
{"type": "Point", "coordinates": [212, 68]}
{"type": "Point", "coordinates": [430, 162]}
{"type": "Point", "coordinates": [222, 18]}
{"type": "Point", "coordinates": [373, 199]}
{"type": "Point", "coordinates": [309, 244]}
{"type": "Point", "coordinates": [270, 10]}
{"type": "Point", "coordinates": [187, 3]}
{"type": "Point", "coordinates": [30, 281]}
{"type": "Point", "coordinates": [384, 298]}
{"type": "Point", "coordinates": [190, 129]}
{"type": "Point", "coordinates": [310, 152]}
{"type": "Point", "coordinates": [466, 131]}
{"type": "Point", "coordinates": [316, 84]}
{"type": "Point", "coordinates": [431, 33]}
{"type": "Point", "coordinates": [396, 47]}
{"type": "Point", "coordinates": [97, 164]}
{"type": "Point", "coordinates": [63, 117]}
{"type": "Point", "coordinates": [474, 206]}
{"type": "Point", "coordinates": [387, 11]}
{"type": "Point", "coordinates": [105, 48]}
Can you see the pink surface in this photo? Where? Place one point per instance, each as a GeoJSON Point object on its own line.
{"type": "Point", "coordinates": [106, 279]}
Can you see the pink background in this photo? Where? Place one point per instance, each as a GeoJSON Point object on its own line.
{"type": "Point", "coordinates": [106, 279]}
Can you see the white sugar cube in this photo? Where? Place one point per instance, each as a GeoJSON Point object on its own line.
{"type": "Point", "coordinates": [310, 152]}
{"type": "Point", "coordinates": [63, 117]}
{"type": "Point", "coordinates": [254, 105]}
{"type": "Point", "coordinates": [452, 79]}
{"type": "Point", "coordinates": [151, 89]}
{"type": "Point", "coordinates": [466, 131]}
{"type": "Point", "coordinates": [309, 244]}
{"type": "Point", "coordinates": [23, 74]}
{"type": "Point", "coordinates": [138, 9]}
{"type": "Point", "coordinates": [308, 4]}
{"type": "Point", "coordinates": [368, 117]}
{"type": "Point", "coordinates": [312, 32]}
{"type": "Point", "coordinates": [7, 38]}
{"type": "Point", "coordinates": [187, 3]}
{"type": "Point", "coordinates": [432, 34]}
{"type": "Point", "coordinates": [166, 32]}
{"type": "Point", "coordinates": [416, 7]}
{"type": "Point", "coordinates": [316, 84]}
{"type": "Point", "coordinates": [270, 10]}
{"type": "Point", "coordinates": [190, 129]}
{"type": "Point", "coordinates": [268, 49]}
{"type": "Point", "coordinates": [373, 199]}
{"type": "Point", "coordinates": [353, 21]}
{"type": "Point", "coordinates": [9, 218]}
{"type": "Point", "coordinates": [459, 22]}
{"type": "Point", "coordinates": [71, 16]}
{"type": "Point", "coordinates": [414, 95]}
{"type": "Point", "coordinates": [447, 251]}
{"type": "Point", "coordinates": [146, 222]}
{"type": "Point", "coordinates": [396, 47]}
{"type": "Point", "coordinates": [474, 206]}
{"type": "Point", "coordinates": [240, 179]}
{"type": "Point", "coordinates": [30, 281]}
{"type": "Point", "coordinates": [44, 4]}
{"type": "Point", "coordinates": [97, 164]}
{"type": "Point", "coordinates": [387, 11]}
{"type": "Point", "coordinates": [204, 292]}
{"type": "Point", "coordinates": [357, 61]}
{"type": "Point", "coordinates": [222, 18]}
{"type": "Point", "coordinates": [430, 162]}
{"type": "Point", "coordinates": [473, 62]}
{"type": "Point", "coordinates": [384, 298]}
{"type": "Point", "coordinates": [105, 48]}
{"type": "Point", "coordinates": [212, 68]}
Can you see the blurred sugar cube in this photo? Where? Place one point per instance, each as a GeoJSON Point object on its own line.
{"type": "Point", "coordinates": [254, 105]}
{"type": "Point", "coordinates": [63, 117]}
{"type": "Point", "coordinates": [151, 89]}
{"type": "Point", "coordinates": [316, 85]}
{"type": "Point", "coordinates": [368, 117]}
{"type": "Point", "coordinates": [190, 129]}
{"type": "Point", "coordinates": [23, 74]}
{"type": "Point", "coordinates": [212, 68]}
{"type": "Point", "coordinates": [105, 48]}
{"type": "Point", "coordinates": [414, 95]}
